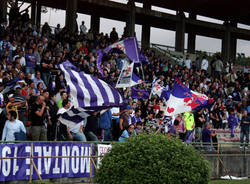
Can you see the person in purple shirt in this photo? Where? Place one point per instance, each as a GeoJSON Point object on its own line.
{"type": "Point", "coordinates": [137, 116]}
{"type": "Point", "coordinates": [206, 137]}
{"type": "Point", "coordinates": [30, 62]}
{"type": "Point", "coordinates": [232, 121]}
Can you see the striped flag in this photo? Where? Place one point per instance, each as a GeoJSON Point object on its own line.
{"type": "Point", "coordinates": [74, 116]}
{"type": "Point", "coordinates": [87, 93]}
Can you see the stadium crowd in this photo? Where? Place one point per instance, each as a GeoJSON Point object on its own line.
{"type": "Point", "coordinates": [29, 57]}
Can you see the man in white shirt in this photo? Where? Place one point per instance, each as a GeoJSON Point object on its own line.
{"type": "Point", "coordinates": [12, 126]}
{"type": "Point", "coordinates": [188, 62]}
{"type": "Point", "coordinates": [22, 58]}
{"type": "Point", "coordinates": [204, 64]}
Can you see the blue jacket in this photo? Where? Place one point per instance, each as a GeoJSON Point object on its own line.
{"type": "Point", "coordinates": [105, 120]}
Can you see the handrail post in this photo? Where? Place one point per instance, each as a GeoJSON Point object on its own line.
{"type": "Point", "coordinates": [31, 163]}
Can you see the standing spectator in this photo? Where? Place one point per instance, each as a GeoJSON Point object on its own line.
{"type": "Point", "coordinates": [188, 62]}
{"type": "Point", "coordinates": [204, 64]}
{"type": "Point", "coordinates": [197, 64]}
{"type": "Point", "coordinates": [30, 62]}
{"type": "Point", "coordinates": [232, 121]}
{"type": "Point", "coordinates": [37, 114]}
{"type": "Point", "coordinates": [12, 128]}
{"type": "Point", "coordinates": [189, 123]}
{"type": "Point", "coordinates": [46, 66]}
{"type": "Point", "coordinates": [206, 137]}
{"type": "Point", "coordinates": [92, 127]}
{"type": "Point", "coordinates": [53, 109]}
{"type": "Point", "coordinates": [83, 28]}
{"type": "Point", "coordinates": [113, 36]}
{"type": "Point", "coordinates": [199, 124]}
{"type": "Point", "coordinates": [105, 122]}
{"type": "Point", "coordinates": [218, 67]}
{"type": "Point", "coordinates": [244, 129]}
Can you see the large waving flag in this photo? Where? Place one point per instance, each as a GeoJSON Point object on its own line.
{"type": "Point", "coordinates": [88, 91]}
{"type": "Point", "coordinates": [182, 99]}
{"type": "Point", "coordinates": [88, 94]}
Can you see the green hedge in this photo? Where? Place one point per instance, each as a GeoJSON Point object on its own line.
{"type": "Point", "coordinates": [153, 159]}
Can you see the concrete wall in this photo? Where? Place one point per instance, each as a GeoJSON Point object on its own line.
{"type": "Point", "coordinates": [237, 163]}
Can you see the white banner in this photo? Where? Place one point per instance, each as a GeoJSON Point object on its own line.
{"type": "Point", "coordinates": [125, 77]}
{"type": "Point", "coordinates": [102, 149]}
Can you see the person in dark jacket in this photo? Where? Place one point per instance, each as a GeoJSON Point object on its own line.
{"type": "Point", "coordinates": [244, 129]}
{"type": "Point", "coordinates": [53, 109]}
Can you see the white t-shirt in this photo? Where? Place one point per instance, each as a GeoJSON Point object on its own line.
{"type": "Point", "coordinates": [204, 64]}
{"type": "Point", "coordinates": [188, 63]}
{"type": "Point", "coordinates": [10, 128]}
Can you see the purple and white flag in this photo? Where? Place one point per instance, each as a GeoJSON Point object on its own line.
{"type": "Point", "coordinates": [125, 77]}
{"type": "Point", "coordinates": [135, 80]}
{"type": "Point", "coordinates": [129, 46]}
{"type": "Point", "coordinates": [89, 92]}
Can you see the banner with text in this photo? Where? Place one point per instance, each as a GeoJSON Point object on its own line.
{"type": "Point", "coordinates": [102, 149]}
{"type": "Point", "coordinates": [53, 160]}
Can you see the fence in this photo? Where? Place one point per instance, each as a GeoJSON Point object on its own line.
{"type": "Point", "coordinates": [38, 160]}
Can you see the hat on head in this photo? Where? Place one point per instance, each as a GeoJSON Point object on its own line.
{"type": "Point", "coordinates": [230, 96]}
{"type": "Point", "coordinates": [10, 96]}
{"type": "Point", "coordinates": [17, 86]}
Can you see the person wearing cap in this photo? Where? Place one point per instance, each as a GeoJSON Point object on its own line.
{"type": "Point", "coordinates": [12, 105]}
{"type": "Point", "coordinates": [125, 118]}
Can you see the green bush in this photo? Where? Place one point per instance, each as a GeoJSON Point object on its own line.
{"type": "Point", "coordinates": [153, 159]}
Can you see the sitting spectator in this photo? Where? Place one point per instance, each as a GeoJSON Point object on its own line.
{"type": "Point", "coordinates": [12, 128]}
{"type": "Point", "coordinates": [126, 134]}
{"type": "Point", "coordinates": [139, 128]}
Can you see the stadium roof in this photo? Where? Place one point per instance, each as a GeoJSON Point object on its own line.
{"type": "Point", "coordinates": [232, 10]}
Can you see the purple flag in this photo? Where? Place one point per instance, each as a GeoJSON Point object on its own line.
{"type": "Point", "coordinates": [139, 93]}
{"type": "Point", "coordinates": [129, 46]}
